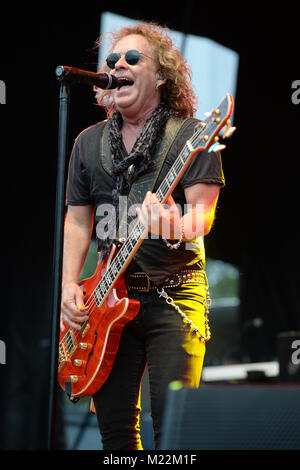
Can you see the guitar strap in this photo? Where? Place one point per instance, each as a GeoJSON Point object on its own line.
{"type": "Point", "coordinates": [146, 181]}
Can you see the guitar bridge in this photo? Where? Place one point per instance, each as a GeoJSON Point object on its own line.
{"type": "Point", "coordinates": [63, 355]}
{"type": "Point", "coordinates": [66, 348]}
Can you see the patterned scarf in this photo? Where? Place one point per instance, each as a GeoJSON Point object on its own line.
{"type": "Point", "coordinates": [139, 159]}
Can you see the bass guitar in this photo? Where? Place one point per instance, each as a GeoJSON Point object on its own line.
{"type": "Point", "coordinates": [86, 356]}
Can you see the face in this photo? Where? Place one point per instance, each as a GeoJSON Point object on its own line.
{"type": "Point", "coordinates": [142, 96]}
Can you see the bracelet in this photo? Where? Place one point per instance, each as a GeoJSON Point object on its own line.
{"type": "Point", "coordinates": [176, 245]}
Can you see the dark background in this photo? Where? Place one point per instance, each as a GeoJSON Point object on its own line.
{"type": "Point", "coordinates": [257, 220]}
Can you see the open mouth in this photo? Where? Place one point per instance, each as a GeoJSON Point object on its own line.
{"type": "Point", "coordinates": [124, 82]}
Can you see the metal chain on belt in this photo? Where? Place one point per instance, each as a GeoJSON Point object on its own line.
{"type": "Point", "coordinates": [162, 293]}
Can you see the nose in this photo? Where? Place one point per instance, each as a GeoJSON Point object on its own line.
{"type": "Point", "coordinates": [121, 64]}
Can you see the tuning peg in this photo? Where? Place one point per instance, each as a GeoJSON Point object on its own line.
{"type": "Point", "coordinates": [217, 147]}
{"type": "Point", "coordinates": [229, 131]}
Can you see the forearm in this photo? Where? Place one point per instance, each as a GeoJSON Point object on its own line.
{"type": "Point", "coordinates": [201, 206]}
{"type": "Point", "coordinates": [77, 237]}
{"type": "Point", "coordinates": [197, 223]}
{"type": "Point", "coordinates": [76, 245]}
{"type": "Point", "coordinates": [166, 219]}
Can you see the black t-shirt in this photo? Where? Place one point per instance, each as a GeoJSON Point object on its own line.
{"type": "Point", "coordinates": [90, 181]}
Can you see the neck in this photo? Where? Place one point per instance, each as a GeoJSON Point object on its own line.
{"type": "Point", "coordinates": [135, 122]}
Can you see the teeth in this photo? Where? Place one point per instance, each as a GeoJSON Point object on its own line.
{"type": "Point", "coordinates": [124, 82]}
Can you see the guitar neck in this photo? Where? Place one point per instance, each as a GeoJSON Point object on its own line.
{"type": "Point", "coordinates": [137, 234]}
{"type": "Point", "coordinates": [201, 139]}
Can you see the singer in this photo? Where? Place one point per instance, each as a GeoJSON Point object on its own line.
{"type": "Point", "coordinates": [150, 117]}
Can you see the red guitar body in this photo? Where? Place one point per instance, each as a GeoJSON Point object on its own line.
{"type": "Point", "coordinates": [86, 357]}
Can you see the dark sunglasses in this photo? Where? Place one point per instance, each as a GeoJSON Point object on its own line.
{"type": "Point", "coordinates": [132, 57]}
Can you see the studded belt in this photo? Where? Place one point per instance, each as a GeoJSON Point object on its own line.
{"type": "Point", "coordinates": [140, 282]}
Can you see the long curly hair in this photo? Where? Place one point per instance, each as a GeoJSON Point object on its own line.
{"type": "Point", "coordinates": [178, 91]}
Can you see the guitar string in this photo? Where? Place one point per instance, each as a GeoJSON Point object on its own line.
{"type": "Point", "coordinates": [163, 189]}
{"type": "Point", "coordinates": [91, 302]}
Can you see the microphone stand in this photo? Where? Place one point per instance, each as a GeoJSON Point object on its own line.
{"type": "Point", "coordinates": [64, 102]}
{"type": "Point", "coordinates": [65, 75]}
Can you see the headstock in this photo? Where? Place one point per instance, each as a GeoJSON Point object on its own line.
{"type": "Point", "coordinates": [207, 135]}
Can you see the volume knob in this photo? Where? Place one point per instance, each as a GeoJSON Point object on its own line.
{"type": "Point", "coordinates": [77, 362]}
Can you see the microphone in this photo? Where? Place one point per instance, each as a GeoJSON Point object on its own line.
{"type": "Point", "coordinates": [72, 74]}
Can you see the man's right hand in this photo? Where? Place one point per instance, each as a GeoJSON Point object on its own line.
{"type": "Point", "coordinates": [73, 309]}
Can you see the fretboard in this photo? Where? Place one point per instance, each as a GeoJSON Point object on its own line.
{"type": "Point", "coordinates": [200, 140]}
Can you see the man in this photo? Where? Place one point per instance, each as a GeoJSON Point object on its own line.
{"type": "Point", "coordinates": [107, 160]}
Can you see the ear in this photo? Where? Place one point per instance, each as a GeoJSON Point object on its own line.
{"type": "Point", "coordinates": [161, 80]}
